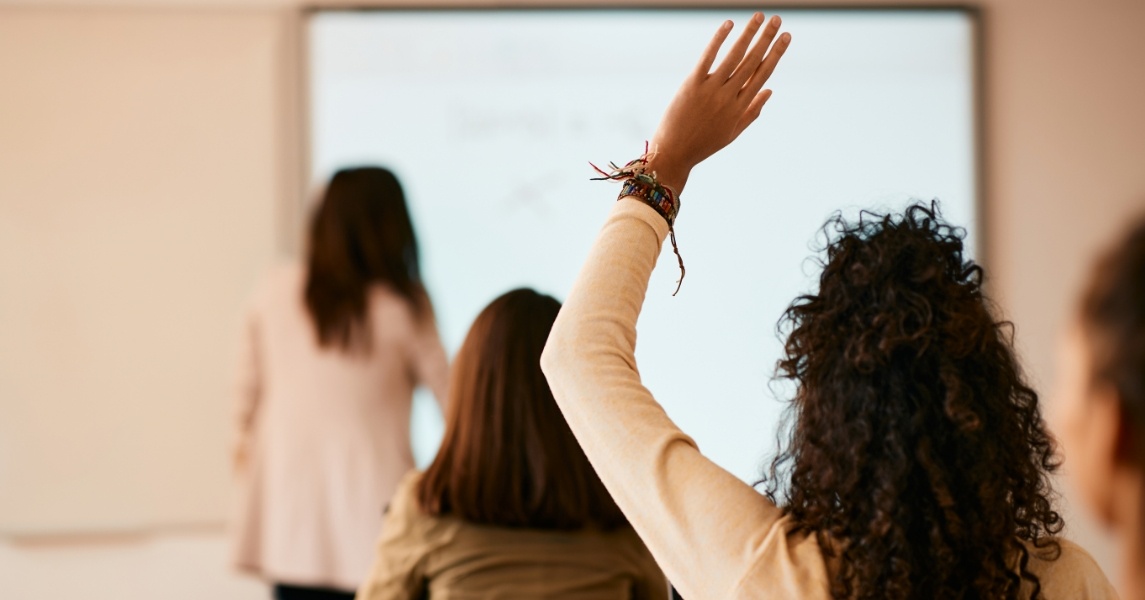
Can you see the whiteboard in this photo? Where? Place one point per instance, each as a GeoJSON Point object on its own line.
{"type": "Point", "coordinates": [490, 117]}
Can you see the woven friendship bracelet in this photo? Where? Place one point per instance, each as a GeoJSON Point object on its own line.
{"type": "Point", "coordinates": [653, 194]}
{"type": "Point", "coordinates": [640, 184]}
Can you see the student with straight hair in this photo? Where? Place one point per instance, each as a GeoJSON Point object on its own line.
{"type": "Point", "coordinates": [917, 464]}
{"type": "Point", "coordinates": [1102, 398]}
{"type": "Point", "coordinates": [332, 352]}
{"type": "Point", "coordinates": [510, 508]}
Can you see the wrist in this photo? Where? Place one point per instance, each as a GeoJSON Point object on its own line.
{"type": "Point", "coordinates": [662, 199]}
{"type": "Point", "coordinates": [669, 171]}
{"type": "Point", "coordinates": [657, 180]}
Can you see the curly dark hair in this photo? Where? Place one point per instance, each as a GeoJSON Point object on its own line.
{"type": "Point", "coordinates": [917, 453]}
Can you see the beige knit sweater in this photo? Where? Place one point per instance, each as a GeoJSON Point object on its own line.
{"type": "Point", "coordinates": [714, 536]}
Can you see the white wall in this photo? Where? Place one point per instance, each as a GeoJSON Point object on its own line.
{"type": "Point", "coordinates": [1065, 141]}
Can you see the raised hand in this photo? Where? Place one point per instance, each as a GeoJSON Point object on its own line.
{"type": "Point", "coordinates": [712, 108]}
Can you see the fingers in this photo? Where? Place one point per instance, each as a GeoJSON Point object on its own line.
{"type": "Point", "coordinates": [736, 52]}
{"type": "Point", "coordinates": [752, 112]}
{"type": "Point", "coordinates": [757, 103]}
{"type": "Point", "coordinates": [749, 65]}
{"type": "Point", "coordinates": [765, 68]}
{"type": "Point", "coordinates": [713, 49]}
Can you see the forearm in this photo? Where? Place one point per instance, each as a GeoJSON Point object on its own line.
{"type": "Point", "coordinates": [675, 498]}
{"type": "Point", "coordinates": [248, 389]}
{"type": "Point", "coordinates": [433, 370]}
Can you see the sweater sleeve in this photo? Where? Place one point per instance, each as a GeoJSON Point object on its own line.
{"type": "Point", "coordinates": [713, 535]}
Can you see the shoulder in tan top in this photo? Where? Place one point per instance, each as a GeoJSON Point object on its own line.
{"type": "Point", "coordinates": [715, 537]}
{"type": "Point", "coordinates": [443, 558]}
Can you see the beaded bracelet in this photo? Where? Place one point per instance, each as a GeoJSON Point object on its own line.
{"type": "Point", "coordinates": [653, 194]}
{"type": "Point", "coordinates": [640, 184]}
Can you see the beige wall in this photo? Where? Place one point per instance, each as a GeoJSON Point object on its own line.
{"type": "Point", "coordinates": [1066, 148]}
{"type": "Point", "coordinates": [183, 566]}
{"type": "Point", "coordinates": [138, 181]}
{"type": "Point", "coordinates": [175, 119]}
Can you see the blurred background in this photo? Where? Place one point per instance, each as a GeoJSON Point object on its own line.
{"type": "Point", "coordinates": [157, 156]}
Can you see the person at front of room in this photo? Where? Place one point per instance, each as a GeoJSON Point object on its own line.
{"type": "Point", "coordinates": [510, 508]}
{"type": "Point", "coordinates": [917, 465]}
{"type": "Point", "coordinates": [332, 352]}
{"type": "Point", "coordinates": [1102, 400]}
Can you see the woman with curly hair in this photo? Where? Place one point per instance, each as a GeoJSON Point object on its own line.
{"type": "Point", "coordinates": [1102, 400]}
{"type": "Point", "coordinates": [918, 465]}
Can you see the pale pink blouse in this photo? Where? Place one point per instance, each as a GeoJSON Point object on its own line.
{"type": "Point", "coordinates": [326, 433]}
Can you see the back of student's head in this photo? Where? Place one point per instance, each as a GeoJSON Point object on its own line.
{"type": "Point", "coordinates": [508, 458]}
{"type": "Point", "coordinates": [1113, 316]}
{"type": "Point", "coordinates": [360, 235]}
{"type": "Point", "coordinates": [917, 450]}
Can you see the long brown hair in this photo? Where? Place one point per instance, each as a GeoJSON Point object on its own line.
{"type": "Point", "coordinates": [918, 455]}
{"type": "Point", "coordinates": [508, 458]}
{"type": "Point", "coordinates": [360, 235]}
{"type": "Point", "coordinates": [1113, 312]}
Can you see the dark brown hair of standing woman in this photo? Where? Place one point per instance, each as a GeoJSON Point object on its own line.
{"type": "Point", "coordinates": [918, 456]}
{"type": "Point", "coordinates": [508, 458]}
{"type": "Point", "coordinates": [1113, 312]}
{"type": "Point", "coordinates": [361, 235]}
